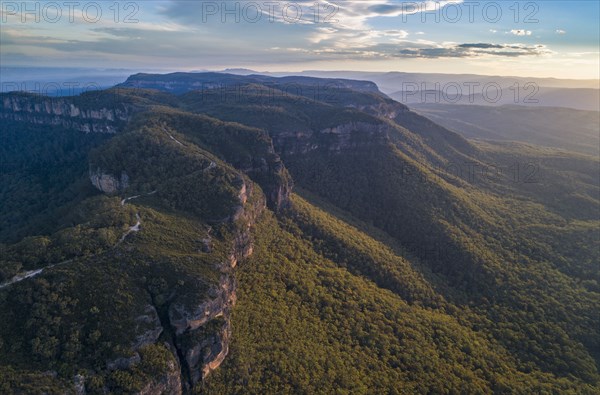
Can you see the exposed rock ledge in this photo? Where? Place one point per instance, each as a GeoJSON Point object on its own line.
{"type": "Point", "coordinates": [108, 183]}
{"type": "Point", "coordinates": [62, 112]}
{"type": "Point", "coordinates": [206, 355]}
{"type": "Point", "coordinates": [170, 383]}
{"type": "Point", "coordinates": [335, 139]}
{"type": "Point", "coordinates": [210, 319]}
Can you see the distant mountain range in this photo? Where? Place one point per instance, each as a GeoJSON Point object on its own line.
{"type": "Point", "coordinates": [428, 88]}
{"type": "Point", "coordinates": [408, 88]}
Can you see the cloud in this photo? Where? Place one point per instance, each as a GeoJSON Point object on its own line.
{"type": "Point", "coordinates": [520, 32]}
{"type": "Point", "coordinates": [474, 51]}
{"type": "Point", "coordinates": [351, 37]}
{"type": "Point", "coordinates": [560, 31]}
{"type": "Point", "coordinates": [346, 14]}
{"type": "Point", "coordinates": [481, 45]}
{"type": "Point", "coordinates": [174, 33]}
{"type": "Point", "coordinates": [430, 50]}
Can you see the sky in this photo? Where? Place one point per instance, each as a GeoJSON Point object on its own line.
{"type": "Point", "coordinates": [517, 38]}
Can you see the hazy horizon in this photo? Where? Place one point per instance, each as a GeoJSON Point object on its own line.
{"type": "Point", "coordinates": [233, 69]}
{"type": "Point", "coordinates": [550, 39]}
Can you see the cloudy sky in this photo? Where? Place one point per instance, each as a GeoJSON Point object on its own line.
{"type": "Point", "coordinates": [528, 38]}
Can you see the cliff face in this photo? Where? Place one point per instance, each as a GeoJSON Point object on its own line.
{"type": "Point", "coordinates": [109, 183]}
{"type": "Point", "coordinates": [63, 112]}
{"type": "Point", "coordinates": [203, 332]}
{"type": "Point", "coordinates": [334, 140]}
{"type": "Point", "coordinates": [270, 173]}
{"type": "Point", "coordinates": [168, 383]}
{"type": "Point", "coordinates": [385, 110]}
{"type": "Point", "coordinates": [198, 333]}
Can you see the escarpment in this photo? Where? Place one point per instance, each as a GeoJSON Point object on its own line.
{"type": "Point", "coordinates": [216, 312]}
{"type": "Point", "coordinates": [179, 83]}
{"type": "Point", "coordinates": [202, 330]}
{"type": "Point", "coordinates": [196, 326]}
{"type": "Point", "coordinates": [336, 139]}
{"type": "Point", "coordinates": [66, 113]}
{"type": "Point", "coordinates": [270, 173]}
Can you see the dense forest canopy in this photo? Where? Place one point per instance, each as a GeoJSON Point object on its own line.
{"type": "Point", "coordinates": [172, 255]}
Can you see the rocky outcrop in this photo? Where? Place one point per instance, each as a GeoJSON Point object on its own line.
{"type": "Point", "coordinates": [149, 328]}
{"type": "Point", "coordinates": [63, 112]}
{"type": "Point", "coordinates": [334, 140]}
{"type": "Point", "coordinates": [108, 183]}
{"type": "Point", "coordinates": [270, 173]}
{"type": "Point", "coordinates": [169, 383]}
{"type": "Point", "coordinates": [207, 354]}
{"type": "Point", "coordinates": [123, 363]}
{"type": "Point", "coordinates": [385, 109]}
{"type": "Point", "coordinates": [203, 331]}
{"type": "Point", "coordinates": [183, 320]}
{"type": "Point", "coordinates": [200, 333]}
{"type": "Point", "coordinates": [79, 384]}
{"type": "Point", "coordinates": [215, 350]}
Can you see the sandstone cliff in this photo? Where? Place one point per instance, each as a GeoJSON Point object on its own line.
{"type": "Point", "coordinates": [63, 112]}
